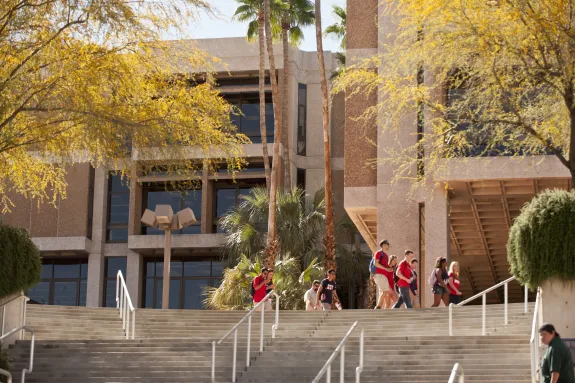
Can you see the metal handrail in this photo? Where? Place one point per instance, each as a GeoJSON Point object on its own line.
{"type": "Point", "coordinates": [124, 303]}
{"type": "Point", "coordinates": [326, 369]}
{"type": "Point", "coordinates": [534, 342]}
{"type": "Point", "coordinates": [483, 296]}
{"type": "Point", "coordinates": [457, 367]}
{"type": "Point", "coordinates": [234, 329]}
{"type": "Point", "coordinates": [31, 366]}
{"type": "Point", "coordinates": [3, 323]}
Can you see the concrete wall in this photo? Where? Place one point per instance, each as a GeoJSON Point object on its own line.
{"type": "Point", "coordinates": [13, 309]}
{"type": "Point", "coordinates": [558, 306]}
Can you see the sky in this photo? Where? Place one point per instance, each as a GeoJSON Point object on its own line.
{"type": "Point", "coordinates": [223, 26]}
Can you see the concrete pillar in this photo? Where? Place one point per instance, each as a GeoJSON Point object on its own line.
{"type": "Point", "coordinates": [12, 312]}
{"type": "Point", "coordinates": [134, 271]}
{"type": "Point", "coordinates": [96, 262]}
{"type": "Point", "coordinates": [558, 306]}
{"type": "Point", "coordinates": [437, 236]}
{"type": "Point", "coordinates": [135, 218]}
{"type": "Point", "coordinates": [207, 191]}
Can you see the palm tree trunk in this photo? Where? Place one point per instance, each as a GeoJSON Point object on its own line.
{"type": "Point", "coordinates": [287, 154]}
{"type": "Point", "coordinates": [329, 239]}
{"type": "Point", "coordinates": [272, 242]}
{"type": "Point", "coordinates": [262, 81]}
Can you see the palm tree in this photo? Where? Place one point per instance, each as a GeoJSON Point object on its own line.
{"type": "Point", "coordinates": [272, 242]}
{"type": "Point", "coordinates": [338, 29]}
{"type": "Point", "coordinates": [301, 220]}
{"type": "Point", "coordinates": [253, 12]}
{"type": "Point", "coordinates": [296, 14]}
{"type": "Point", "coordinates": [329, 238]}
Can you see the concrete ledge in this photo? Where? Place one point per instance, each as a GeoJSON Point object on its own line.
{"type": "Point", "coordinates": [490, 168]}
{"type": "Point", "coordinates": [62, 244]}
{"type": "Point", "coordinates": [360, 197]}
{"type": "Point", "coordinates": [179, 241]}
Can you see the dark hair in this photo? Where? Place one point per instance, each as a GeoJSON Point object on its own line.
{"type": "Point", "coordinates": [439, 261]}
{"type": "Point", "coordinates": [414, 260]}
{"type": "Point", "coordinates": [383, 242]}
{"type": "Point", "coordinates": [270, 270]}
{"type": "Point", "coordinates": [407, 252]}
{"type": "Point", "coordinates": [264, 270]}
{"type": "Point", "coordinates": [316, 282]}
{"type": "Point", "coordinates": [548, 327]}
{"type": "Point", "coordinates": [331, 271]}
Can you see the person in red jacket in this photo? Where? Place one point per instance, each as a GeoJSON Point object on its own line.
{"type": "Point", "coordinates": [405, 274]}
{"type": "Point", "coordinates": [453, 284]}
{"type": "Point", "coordinates": [260, 285]}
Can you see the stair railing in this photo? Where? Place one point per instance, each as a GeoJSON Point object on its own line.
{"type": "Point", "coordinates": [457, 369]}
{"type": "Point", "coordinates": [340, 349]}
{"type": "Point", "coordinates": [483, 295]}
{"type": "Point", "coordinates": [31, 365]}
{"type": "Point", "coordinates": [535, 341]}
{"type": "Point", "coordinates": [3, 322]}
{"type": "Point", "coordinates": [124, 304]}
{"type": "Point", "coordinates": [234, 330]}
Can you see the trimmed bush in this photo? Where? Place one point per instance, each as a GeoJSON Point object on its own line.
{"type": "Point", "coordinates": [4, 365]}
{"type": "Point", "coordinates": [20, 262]}
{"type": "Point", "coordinates": [541, 243]}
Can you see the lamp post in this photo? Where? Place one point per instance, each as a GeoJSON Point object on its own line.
{"type": "Point", "coordinates": [163, 218]}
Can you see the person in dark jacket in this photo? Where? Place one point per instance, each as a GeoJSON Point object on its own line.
{"type": "Point", "coordinates": [557, 363]}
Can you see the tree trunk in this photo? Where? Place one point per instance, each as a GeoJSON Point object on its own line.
{"type": "Point", "coordinates": [329, 239]}
{"type": "Point", "coordinates": [272, 242]}
{"type": "Point", "coordinates": [262, 84]}
{"type": "Point", "coordinates": [285, 130]}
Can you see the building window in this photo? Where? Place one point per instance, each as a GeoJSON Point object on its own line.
{"type": "Point", "coordinates": [160, 194]}
{"type": "Point", "coordinates": [301, 119]}
{"type": "Point", "coordinates": [63, 282]}
{"type": "Point", "coordinates": [301, 178]}
{"type": "Point", "coordinates": [118, 209]}
{"type": "Point", "coordinates": [112, 266]}
{"type": "Point", "coordinates": [188, 279]}
{"type": "Point", "coordinates": [249, 122]}
{"type": "Point", "coordinates": [227, 195]}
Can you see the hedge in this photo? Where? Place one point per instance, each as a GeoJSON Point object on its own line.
{"type": "Point", "coordinates": [541, 244]}
{"type": "Point", "coordinates": [20, 262]}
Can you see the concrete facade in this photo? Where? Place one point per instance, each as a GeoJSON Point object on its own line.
{"type": "Point", "coordinates": [76, 227]}
{"type": "Point", "coordinates": [463, 213]}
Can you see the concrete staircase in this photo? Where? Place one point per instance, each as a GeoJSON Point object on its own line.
{"type": "Point", "coordinates": [87, 345]}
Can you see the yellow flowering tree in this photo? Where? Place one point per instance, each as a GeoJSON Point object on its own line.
{"type": "Point", "coordinates": [91, 80]}
{"type": "Point", "coordinates": [485, 77]}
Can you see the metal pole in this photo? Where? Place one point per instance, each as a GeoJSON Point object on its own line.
{"type": "Point", "coordinates": [451, 319]}
{"type": "Point", "coordinates": [249, 339]}
{"type": "Point", "coordinates": [3, 321]}
{"type": "Point", "coordinates": [117, 287]}
{"type": "Point", "coordinates": [235, 355]}
{"type": "Point", "coordinates": [133, 323]}
{"type": "Point", "coordinates": [277, 317]}
{"type": "Point", "coordinates": [127, 325]}
{"type": "Point", "coordinates": [167, 260]}
{"type": "Point", "coordinates": [328, 374]}
{"type": "Point", "coordinates": [526, 299]}
{"type": "Point", "coordinates": [506, 294]}
{"type": "Point", "coordinates": [360, 368]}
{"type": "Point", "coordinates": [342, 365]}
{"type": "Point", "coordinates": [214, 361]}
{"type": "Point", "coordinates": [262, 329]}
{"type": "Point", "coordinates": [483, 314]}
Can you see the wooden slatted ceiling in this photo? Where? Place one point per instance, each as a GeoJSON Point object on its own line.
{"type": "Point", "coordinates": [481, 215]}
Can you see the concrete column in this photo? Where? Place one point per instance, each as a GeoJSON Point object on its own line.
{"type": "Point", "coordinates": [135, 218]}
{"type": "Point", "coordinates": [96, 263]}
{"type": "Point", "coordinates": [207, 190]}
{"type": "Point", "coordinates": [437, 236]}
{"type": "Point", "coordinates": [134, 271]}
{"type": "Point", "coordinates": [558, 306]}
{"type": "Point", "coordinates": [12, 308]}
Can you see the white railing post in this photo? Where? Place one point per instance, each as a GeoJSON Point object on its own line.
{"type": "Point", "coordinates": [213, 361]}
{"type": "Point", "coordinates": [30, 368]}
{"type": "Point", "coordinates": [125, 307]}
{"type": "Point", "coordinates": [534, 341]}
{"type": "Point", "coordinates": [342, 365]}
{"type": "Point", "coordinates": [451, 319]}
{"type": "Point", "coordinates": [340, 349]}
{"type": "Point", "coordinates": [133, 323]}
{"type": "Point", "coordinates": [235, 356]}
{"type": "Point", "coordinates": [526, 309]}
{"type": "Point", "coordinates": [359, 368]}
{"type": "Point", "coordinates": [262, 329]}
{"type": "Point", "coordinates": [276, 325]}
{"type": "Point", "coordinates": [457, 367]}
{"type": "Point", "coordinates": [117, 290]}
{"type": "Point", "coordinates": [249, 339]}
{"type": "Point", "coordinates": [484, 314]}
{"type": "Point", "coordinates": [506, 299]}
{"type": "Point", "coordinates": [3, 322]}
{"type": "Point", "coordinates": [328, 374]}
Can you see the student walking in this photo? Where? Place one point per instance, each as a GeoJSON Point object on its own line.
{"type": "Point", "coordinates": [392, 295]}
{"type": "Point", "coordinates": [259, 285]}
{"type": "Point", "coordinates": [557, 363]}
{"type": "Point", "coordinates": [326, 291]}
{"type": "Point", "coordinates": [310, 297]}
{"type": "Point", "coordinates": [414, 286]}
{"type": "Point", "coordinates": [405, 274]}
{"type": "Point", "coordinates": [381, 262]}
{"type": "Point", "coordinates": [439, 279]}
{"type": "Point", "coordinates": [269, 288]}
{"type": "Point", "coordinates": [453, 284]}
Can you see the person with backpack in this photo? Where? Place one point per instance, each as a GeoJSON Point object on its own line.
{"type": "Point", "coordinates": [269, 287]}
{"type": "Point", "coordinates": [414, 287]}
{"type": "Point", "coordinates": [438, 280]}
{"type": "Point", "coordinates": [380, 266]}
{"type": "Point", "coordinates": [404, 275]}
{"type": "Point", "coordinates": [259, 286]}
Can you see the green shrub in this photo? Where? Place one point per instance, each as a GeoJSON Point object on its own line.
{"type": "Point", "coordinates": [20, 262]}
{"type": "Point", "coordinates": [4, 365]}
{"type": "Point", "coordinates": [541, 243]}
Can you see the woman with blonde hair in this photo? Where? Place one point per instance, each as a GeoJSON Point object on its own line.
{"type": "Point", "coordinates": [453, 284]}
{"type": "Point", "coordinates": [391, 296]}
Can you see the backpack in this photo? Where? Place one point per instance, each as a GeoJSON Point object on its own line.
{"type": "Point", "coordinates": [372, 268]}
{"type": "Point", "coordinates": [252, 289]}
{"type": "Point", "coordinates": [432, 280]}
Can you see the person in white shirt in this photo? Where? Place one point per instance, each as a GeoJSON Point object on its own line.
{"type": "Point", "coordinates": [310, 297]}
